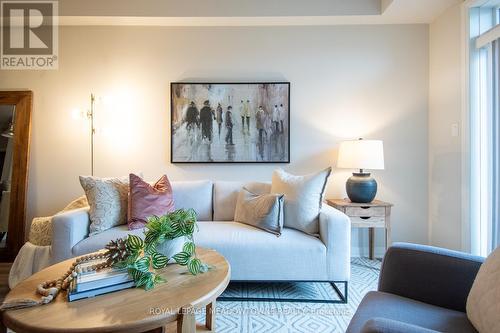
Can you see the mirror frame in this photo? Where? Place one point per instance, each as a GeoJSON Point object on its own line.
{"type": "Point", "coordinates": [23, 100]}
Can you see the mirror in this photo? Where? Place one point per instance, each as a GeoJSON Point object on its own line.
{"type": "Point", "coordinates": [6, 148]}
{"type": "Point", "coordinates": [15, 129]}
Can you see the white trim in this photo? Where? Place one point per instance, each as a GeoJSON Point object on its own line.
{"type": "Point", "coordinates": [470, 232]}
{"type": "Point", "coordinates": [480, 3]}
{"type": "Point", "coordinates": [488, 37]}
{"type": "Point", "coordinates": [465, 172]}
{"type": "Point", "coordinates": [474, 3]}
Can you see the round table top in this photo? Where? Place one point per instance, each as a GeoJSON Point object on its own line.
{"type": "Point", "coordinates": [130, 310]}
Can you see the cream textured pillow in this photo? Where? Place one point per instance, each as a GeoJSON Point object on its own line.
{"type": "Point", "coordinates": [483, 302]}
{"type": "Point", "coordinates": [263, 211]}
{"type": "Point", "coordinates": [107, 199]}
{"type": "Point", "coordinates": [303, 196]}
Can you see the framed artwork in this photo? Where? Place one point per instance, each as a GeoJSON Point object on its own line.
{"type": "Point", "coordinates": [230, 122]}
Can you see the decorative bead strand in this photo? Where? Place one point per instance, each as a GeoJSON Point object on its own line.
{"type": "Point", "coordinates": [49, 289]}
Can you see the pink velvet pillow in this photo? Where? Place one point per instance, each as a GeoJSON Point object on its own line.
{"type": "Point", "coordinates": [145, 200]}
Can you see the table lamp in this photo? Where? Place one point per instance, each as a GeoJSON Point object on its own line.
{"type": "Point", "coordinates": [361, 154]}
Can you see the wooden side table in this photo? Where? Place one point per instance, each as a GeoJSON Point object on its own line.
{"type": "Point", "coordinates": [376, 214]}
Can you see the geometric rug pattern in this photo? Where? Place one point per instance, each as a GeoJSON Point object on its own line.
{"type": "Point", "coordinates": [294, 317]}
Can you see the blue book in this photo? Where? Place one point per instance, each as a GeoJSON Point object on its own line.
{"type": "Point", "coordinates": [73, 295]}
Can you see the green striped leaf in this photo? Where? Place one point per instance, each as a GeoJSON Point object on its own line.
{"type": "Point", "coordinates": [136, 275]}
{"type": "Point", "coordinates": [159, 260]}
{"type": "Point", "coordinates": [144, 279]}
{"type": "Point", "coordinates": [150, 284]}
{"type": "Point", "coordinates": [151, 237]}
{"type": "Point", "coordinates": [194, 266]}
{"type": "Point", "coordinates": [143, 264]}
{"type": "Point", "coordinates": [182, 258]}
{"type": "Point", "coordinates": [188, 247]}
{"type": "Point", "coordinates": [134, 243]}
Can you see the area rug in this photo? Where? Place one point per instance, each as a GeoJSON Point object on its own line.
{"type": "Point", "coordinates": [281, 317]}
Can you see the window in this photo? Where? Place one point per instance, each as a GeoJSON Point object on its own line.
{"type": "Point", "coordinates": [483, 119]}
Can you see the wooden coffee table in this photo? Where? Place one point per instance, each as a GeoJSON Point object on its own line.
{"type": "Point", "coordinates": [131, 310]}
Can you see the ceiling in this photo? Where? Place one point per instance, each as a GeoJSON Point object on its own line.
{"type": "Point", "coordinates": [249, 12]}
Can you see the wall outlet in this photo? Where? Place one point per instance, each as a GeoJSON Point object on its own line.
{"type": "Point", "coordinates": [455, 130]}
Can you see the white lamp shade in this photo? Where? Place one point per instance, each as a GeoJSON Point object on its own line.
{"type": "Point", "coordinates": [361, 154]}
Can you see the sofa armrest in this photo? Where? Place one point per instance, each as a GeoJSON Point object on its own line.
{"type": "Point", "coordinates": [384, 325]}
{"type": "Point", "coordinates": [68, 228]}
{"type": "Point", "coordinates": [335, 232]}
{"type": "Point", "coordinates": [429, 274]}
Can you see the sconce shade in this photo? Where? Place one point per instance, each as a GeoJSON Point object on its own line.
{"type": "Point", "coordinates": [9, 132]}
{"type": "Point", "coordinates": [361, 154]}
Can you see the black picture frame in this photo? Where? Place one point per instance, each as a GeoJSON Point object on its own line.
{"type": "Point", "coordinates": [174, 124]}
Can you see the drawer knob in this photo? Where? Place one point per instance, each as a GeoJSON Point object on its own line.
{"type": "Point", "coordinates": [365, 217]}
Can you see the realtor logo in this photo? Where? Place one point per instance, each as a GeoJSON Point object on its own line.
{"type": "Point", "coordinates": [29, 35]}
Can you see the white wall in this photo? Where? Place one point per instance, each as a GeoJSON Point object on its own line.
{"type": "Point", "coordinates": [346, 82]}
{"type": "Point", "coordinates": [444, 149]}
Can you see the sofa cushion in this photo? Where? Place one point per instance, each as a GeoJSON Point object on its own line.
{"type": "Point", "coordinates": [483, 302]}
{"type": "Point", "coordinates": [384, 305]}
{"type": "Point", "coordinates": [196, 195]}
{"type": "Point", "coordinates": [264, 211]}
{"type": "Point", "coordinates": [255, 254]}
{"type": "Point", "coordinates": [107, 198]}
{"type": "Point", "coordinates": [226, 195]}
{"type": "Point", "coordinates": [303, 198]}
{"type": "Point", "coordinates": [97, 242]}
{"type": "Point", "coordinates": [146, 200]}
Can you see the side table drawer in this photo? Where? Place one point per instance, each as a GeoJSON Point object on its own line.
{"type": "Point", "coordinates": [365, 211]}
{"type": "Point", "coordinates": [368, 221]}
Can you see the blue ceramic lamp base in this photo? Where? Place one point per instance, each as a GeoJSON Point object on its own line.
{"type": "Point", "coordinates": [361, 187]}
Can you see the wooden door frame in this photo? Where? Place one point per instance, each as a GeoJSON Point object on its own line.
{"type": "Point", "coordinates": [23, 100]}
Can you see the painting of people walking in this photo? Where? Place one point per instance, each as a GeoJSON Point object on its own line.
{"type": "Point", "coordinates": [230, 122]}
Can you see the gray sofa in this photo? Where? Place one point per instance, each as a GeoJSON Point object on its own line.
{"type": "Point", "coordinates": [421, 289]}
{"type": "Point", "coordinates": [253, 254]}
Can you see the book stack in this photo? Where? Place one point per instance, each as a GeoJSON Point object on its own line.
{"type": "Point", "coordinates": [93, 283]}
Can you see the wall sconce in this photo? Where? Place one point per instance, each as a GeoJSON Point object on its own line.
{"type": "Point", "coordinates": [91, 116]}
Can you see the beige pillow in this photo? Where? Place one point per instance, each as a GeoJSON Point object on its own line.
{"type": "Point", "coordinates": [107, 199]}
{"type": "Point", "coordinates": [483, 302]}
{"type": "Point", "coordinates": [303, 196]}
{"type": "Point", "coordinates": [263, 211]}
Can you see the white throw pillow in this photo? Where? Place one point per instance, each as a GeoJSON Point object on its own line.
{"type": "Point", "coordinates": [483, 302]}
{"type": "Point", "coordinates": [108, 200]}
{"type": "Point", "coordinates": [303, 196]}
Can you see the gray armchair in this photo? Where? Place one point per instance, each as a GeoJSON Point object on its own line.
{"type": "Point", "coordinates": [421, 289]}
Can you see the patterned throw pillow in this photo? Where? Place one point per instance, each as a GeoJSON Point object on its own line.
{"type": "Point", "coordinates": [107, 199]}
{"type": "Point", "coordinates": [147, 200]}
{"type": "Point", "coordinates": [264, 211]}
{"type": "Point", "coordinates": [303, 196]}
{"type": "Point", "coordinates": [483, 302]}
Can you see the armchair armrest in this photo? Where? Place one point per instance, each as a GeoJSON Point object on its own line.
{"type": "Point", "coordinates": [384, 325]}
{"type": "Point", "coordinates": [68, 228]}
{"type": "Point", "coordinates": [335, 232]}
{"type": "Point", "coordinates": [429, 274]}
